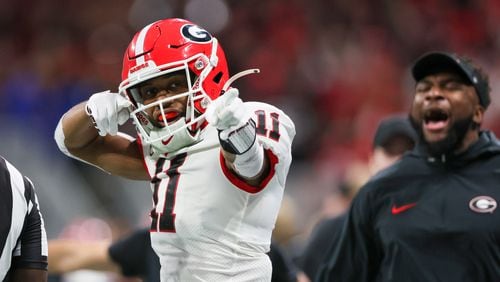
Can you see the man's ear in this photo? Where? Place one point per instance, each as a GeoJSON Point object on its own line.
{"type": "Point", "coordinates": [478, 114]}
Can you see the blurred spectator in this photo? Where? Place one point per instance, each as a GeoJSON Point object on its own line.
{"type": "Point", "coordinates": [79, 254]}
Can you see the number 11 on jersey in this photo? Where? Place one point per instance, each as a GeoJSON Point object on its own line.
{"type": "Point", "coordinates": [261, 128]}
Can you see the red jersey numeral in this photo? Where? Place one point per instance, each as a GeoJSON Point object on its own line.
{"type": "Point", "coordinates": [261, 126]}
{"type": "Point", "coordinates": [165, 221]}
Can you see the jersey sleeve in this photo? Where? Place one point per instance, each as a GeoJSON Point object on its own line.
{"type": "Point", "coordinates": [275, 131]}
{"type": "Point", "coordinates": [31, 249]}
{"type": "Point", "coordinates": [135, 256]}
{"type": "Point", "coordinates": [355, 257]}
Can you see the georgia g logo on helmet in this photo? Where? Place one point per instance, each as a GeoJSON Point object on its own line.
{"type": "Point", "coordinates": [195, 33]}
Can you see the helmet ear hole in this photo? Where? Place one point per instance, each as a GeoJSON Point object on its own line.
{"type": "Point", "coordinates": [193, 77]}
{"type": "Point", "coordinates": [217, 77]}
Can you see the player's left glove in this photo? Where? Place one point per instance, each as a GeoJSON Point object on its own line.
{"type": "Point", "coordinates": [231, 117]}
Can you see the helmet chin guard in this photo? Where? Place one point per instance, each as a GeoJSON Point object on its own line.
{"type": "Point", "coordinates": [181, 139]}
{"type": "Point", "coordinates": [188, 125]}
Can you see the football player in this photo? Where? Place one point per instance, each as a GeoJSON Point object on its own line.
{"type": "Point", "coordinates": [217, 165]}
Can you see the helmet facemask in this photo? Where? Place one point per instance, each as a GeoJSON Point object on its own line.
{"type": "Point", "coordinates": [185, 130]}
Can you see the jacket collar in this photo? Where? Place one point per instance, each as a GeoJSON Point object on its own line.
{"type": "Point", "coordinates": [487, 144]}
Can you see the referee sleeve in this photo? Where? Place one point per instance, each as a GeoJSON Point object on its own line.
{"type": "Point", "coordinates": [31, 249]}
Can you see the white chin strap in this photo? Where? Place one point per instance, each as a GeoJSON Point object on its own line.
{"type": "Point", "coordinates": [175, 142]}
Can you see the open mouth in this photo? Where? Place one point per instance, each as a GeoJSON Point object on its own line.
{"type": "Point", "coordinates": [435, 119]}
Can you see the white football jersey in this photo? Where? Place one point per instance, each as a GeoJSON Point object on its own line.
{"type": "Point", "coordinates": [207, 224]}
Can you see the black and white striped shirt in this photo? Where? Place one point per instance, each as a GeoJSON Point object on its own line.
{"type": "Point", "coordinates": [23, 241]}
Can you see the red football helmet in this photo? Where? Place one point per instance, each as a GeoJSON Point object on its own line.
{"type": "Point", "coordinates": [167, 46]}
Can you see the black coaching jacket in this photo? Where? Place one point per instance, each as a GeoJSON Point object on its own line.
{"type": "Point", "coordinates": [425, 219]}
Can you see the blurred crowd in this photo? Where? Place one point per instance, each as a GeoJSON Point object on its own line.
{"type": "Point", "coordinates": [335, 66]}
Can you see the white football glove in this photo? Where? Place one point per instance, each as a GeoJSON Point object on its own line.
{"type": "Point", "coordinates": [227, 113]}
{"type": "Point", "coordinates": [107, 110]}
{"type": "Point", "coordinates": [232, 118]}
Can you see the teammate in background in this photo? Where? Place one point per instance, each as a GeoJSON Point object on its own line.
{"type": "Point", "coordinates": [217, 165]}
{"type": "Point", "coordinates": [394, 137]}
{"type": "Point", "coordinates": [432, 216]}
{"type": "Point", "coordinates": [132, 256]}
{"type": "Point", "coordinates": [23, 240]}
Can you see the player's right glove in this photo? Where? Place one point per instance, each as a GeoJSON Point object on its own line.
{"type": "Point", "coordinates": [107, 110]}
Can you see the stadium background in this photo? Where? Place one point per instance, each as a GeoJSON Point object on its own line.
{"type": "Point", "coordinates": [336, 67]}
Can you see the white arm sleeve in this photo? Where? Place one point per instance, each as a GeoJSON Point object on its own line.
{"type": "Point", "coordinates": [59, 137]}
{"type": "Point", "coordinates": [250, 163]}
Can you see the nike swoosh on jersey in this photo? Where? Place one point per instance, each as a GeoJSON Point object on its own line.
{"type": "Point", "coordinates": [400, 209]}
{"type": "Point", "coordinates": [165, 142]}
